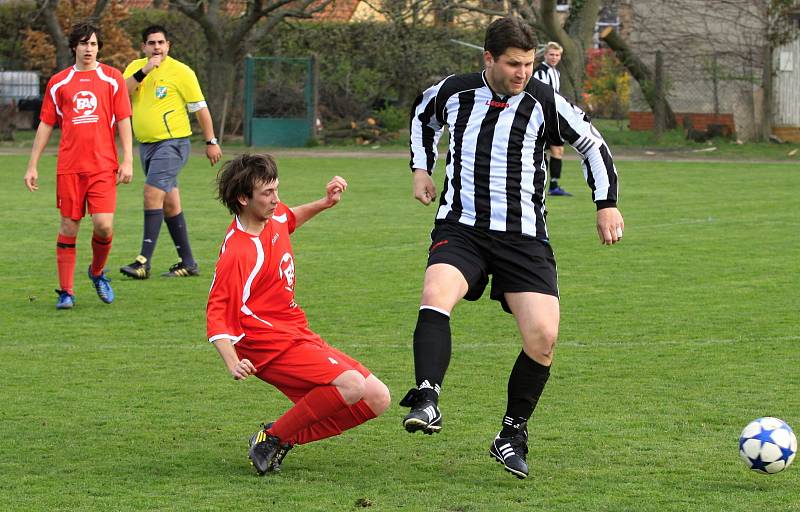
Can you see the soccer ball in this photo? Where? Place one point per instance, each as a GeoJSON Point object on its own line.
{"type": "Point", "coordinates": [767, 445]}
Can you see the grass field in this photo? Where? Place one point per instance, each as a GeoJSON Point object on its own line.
{"type": "Point", "coordinates": [671, 342]}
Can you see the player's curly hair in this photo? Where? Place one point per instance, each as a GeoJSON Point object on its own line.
{"type": "Point", "coordinates": [81, 32]}
{"type": "Point", "coordinates": [238, 177]}
{"type": "Point", "coordinates": [509, 32]}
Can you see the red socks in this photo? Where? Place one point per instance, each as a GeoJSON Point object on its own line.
{"type": "Point", "coordinates": [100, 249]}
{"type": "Point", "coordinates": [346, 419]}
{"type": "Point", "coordinates": [65, 260]}
{"type": "Point", "coordinates": [319, 404]}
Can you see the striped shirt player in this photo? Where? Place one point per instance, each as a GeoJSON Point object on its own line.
{"type": "Point", "coordinates": [490, 220]}
{"type": "Point", "coordinates": [548, 74]}
{"type": "Point", "coordinates": [259, 329]}
{"type": "Point", "coordinates": [495, 173]}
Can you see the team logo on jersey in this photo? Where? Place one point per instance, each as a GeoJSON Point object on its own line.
{"type": "Point", "coordinates": [286, 271]}
{"type": "Point", "coordinates": [84, 103]}
{"type": "Point", "coordinates": [161, 92]}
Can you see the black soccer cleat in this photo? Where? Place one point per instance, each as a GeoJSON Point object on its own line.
{"type": "Point", "coordinates": [511, 451]}
{"type": "Point", "coordinates": [424, 415]}
{"type": "Point", "coordinates": [139, 269]}
{"type": "Point", "coordinates": [278, 459]}
{"type": "Point", "coordinates": [182, 270]}
{"type": "Point", "coordinates": [263, 451]}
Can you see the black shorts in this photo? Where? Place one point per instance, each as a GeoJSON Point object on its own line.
{"type": "Point", "coordinates": [516, 262]}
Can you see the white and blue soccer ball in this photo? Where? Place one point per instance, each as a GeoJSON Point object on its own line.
{"type": "Point", "coordinates": [767, 445]}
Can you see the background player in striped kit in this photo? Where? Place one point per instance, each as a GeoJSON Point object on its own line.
{"type": "Point", "coordinates": [547, 72]}
{"type": "Point", "coordinates": [491, 220]}
{"type": "Point", "coordinates": [87, 100]}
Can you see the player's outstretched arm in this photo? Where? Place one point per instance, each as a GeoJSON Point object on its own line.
{"type": "Point", "coordinates": [39, 143]}
{"type": "Point", "coordinates": [239, 369]}
{"type": "Point", "coordinates": [333, 194]}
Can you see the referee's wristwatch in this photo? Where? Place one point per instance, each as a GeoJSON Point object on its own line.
{"type": "Point", "coordinates": [212, 142]}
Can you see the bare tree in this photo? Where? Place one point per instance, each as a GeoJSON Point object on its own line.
{"type": "Point", "coordinates": [227, 35]}
{"type": "Point", "coordinates": [728, 40]}
{"type": "Point", "coordinates": [47, 12]}
{"type": "Point", "coordinates": [576, 35]}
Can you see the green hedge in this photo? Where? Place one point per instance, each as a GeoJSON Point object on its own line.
{"type": "Point", "coordinates": [367, 67]}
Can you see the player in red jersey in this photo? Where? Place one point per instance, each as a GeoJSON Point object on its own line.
{"type": "Point", "coordinates": [258, 328]}
{"type": "Point", "coordinates": [87, 100]}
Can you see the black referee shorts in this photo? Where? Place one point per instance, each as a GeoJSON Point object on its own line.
{"type": "Point", "coordinates": [516, 262]}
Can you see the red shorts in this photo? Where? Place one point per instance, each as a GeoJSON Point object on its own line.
{"type": "Point", "coordinates": [307, 363]}
{"type": "Point", "coordinates": [75, 191]}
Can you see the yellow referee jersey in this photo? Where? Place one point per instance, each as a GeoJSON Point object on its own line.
{"type": "Point", "coordinates": [159, 104]}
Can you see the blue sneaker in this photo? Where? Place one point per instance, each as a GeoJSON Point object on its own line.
{"type": "Point", "coordinates": [102, 286]}
{"type": "Point", "coordinates": [65, 300]}
{"type": "Point", "coordinates": [558, 191]}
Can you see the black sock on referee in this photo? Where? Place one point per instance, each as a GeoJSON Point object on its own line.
{"type": "Point", "coordinates": [180, 237]}
{"type": "Point", "coordinates": [525, 386]}
{"type": "Point", "coordinates": [152, 227]}
{"type": "Point", "coordinates": [432, 345]}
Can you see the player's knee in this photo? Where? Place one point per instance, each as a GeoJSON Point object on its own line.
{"type": "Point", "coordinates": [540, 344]}
{"type": "Point", "coordinates": [377, 396]}
{"type": "Point", "coordinates": [352, 385]}
{"type": "Point", "coordinates": [104, 230]}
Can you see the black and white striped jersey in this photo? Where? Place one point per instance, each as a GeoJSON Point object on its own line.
{"type": "Point", "coordinates": [495, 173]}
{"type": "Point", "coordinates": [548, 75]}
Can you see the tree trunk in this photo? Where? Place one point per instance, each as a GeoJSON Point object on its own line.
{"type": "Point", "coordinates": [64, 57]}
{"type": "Point", "coordinates": [639, 71]}
{"type": "Point", "coordinates": [220, 86]}
{"type": "Point", "coordinates": [576, 42]}
{"type": "Point", "coordinates": [766, 84]}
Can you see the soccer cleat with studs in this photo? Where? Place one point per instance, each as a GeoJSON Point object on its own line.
{"type": "Point", "coordinates": [102, 286]}
{"type": "Point", "coordinates": [512, 451]}
{"type": "Point", "coordinates": [139, 269]}
{"type": "Point", "coordinates": [263, 450]}
{"type": "Point", "coordinates": [181, 270]}
{"type": "Point", "coordinates": [279, 456]}
{"type": "Point", "coordinates": [65, 300]}
{"type": "Point", "coordinates": [424, 415]}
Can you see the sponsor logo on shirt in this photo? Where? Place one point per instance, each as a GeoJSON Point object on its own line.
{"type": "Point", "coordinates": [497, 104]}
{"type": "Point", "coordinates": [161, 92]}
{"type": "Point", "coordinates": [286, 271]}
{"type": "Point", "coordinates": [84, 104]}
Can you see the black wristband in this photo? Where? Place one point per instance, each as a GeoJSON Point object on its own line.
{"type": "Point", "coordinates": [139, 76]}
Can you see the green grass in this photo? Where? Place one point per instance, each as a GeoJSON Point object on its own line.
{"type": "Point", "coordinates": [670, 343]}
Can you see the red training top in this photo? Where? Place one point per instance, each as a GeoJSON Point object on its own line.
{"type": "Point", "coordinates": [252, 293]}
{"type": "Point", "coordinates": [87, 105]}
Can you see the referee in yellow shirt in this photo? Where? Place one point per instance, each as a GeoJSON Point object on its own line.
{"type": "Point", "coordinates": [163, 91]}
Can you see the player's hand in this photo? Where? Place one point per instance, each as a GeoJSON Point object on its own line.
{"type": "Point", "coordinates": [125, 173]}
{"type": "Point", "coordinates": [334, 189]}
{"type": "Point", "coordinates": [243, 369]}
{"type": "Point", "coordinates": [424, 189]}
{"type": "Point", "coordinates": [32, 179]}
{"type": "Point", "coordinates": [610, 225]}
{"type": "Point", "coordinates": [213, 153]}
{"type": "Point", "coordinates": [152, 62]}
